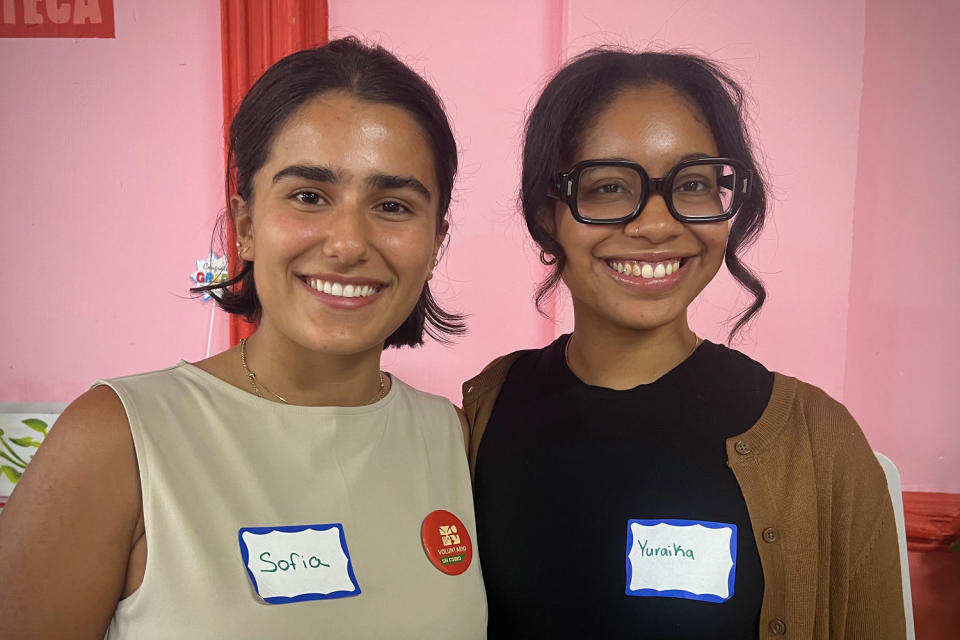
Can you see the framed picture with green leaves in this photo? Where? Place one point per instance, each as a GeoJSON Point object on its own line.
{"type": "Point", "coordinates": [23, 427]}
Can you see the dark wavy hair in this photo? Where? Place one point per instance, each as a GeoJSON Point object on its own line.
{"type": "Point", "coordinates": [369, 73]}
{"type": "Point", "coordinates": [573, 100]}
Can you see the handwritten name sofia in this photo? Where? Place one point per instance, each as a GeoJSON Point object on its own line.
{"type": "Point", "coordinates": [286, 564]}
{"type": "Point", "coordinates": [675, 550]}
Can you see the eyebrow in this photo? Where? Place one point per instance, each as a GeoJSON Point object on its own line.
{"type": "Point", "coordinates": [308, 172]}
{"type": "Point", "coordinates": [383, 181]}
{"type": "Point", "coordinates": [693, 156]}
{"type": "Point", "coordinates": [687, 156]}
{"type": "Point", "coordinates": [317, 173]}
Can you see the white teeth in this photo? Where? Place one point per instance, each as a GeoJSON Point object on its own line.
{"type": "Point", "coordinates": [645, 269]}
{"type": "Point", "coordinates": [341, 290]}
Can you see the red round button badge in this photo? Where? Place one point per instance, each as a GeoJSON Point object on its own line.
{"type": "Point", "coordinates": [446, 542]}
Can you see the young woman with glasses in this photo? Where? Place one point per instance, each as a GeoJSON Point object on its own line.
{"type": "Point", "coordinates": [632, 479]}
{"type": "Point", "coordinates": [287, 487]}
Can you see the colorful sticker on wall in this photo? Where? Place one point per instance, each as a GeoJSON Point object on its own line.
{"type": "Point", "coordinates": [20, 436]}
{"type": "Point", "coordinates": [210, 270]}
{"type": "Point", "coordinates": [56, 19]}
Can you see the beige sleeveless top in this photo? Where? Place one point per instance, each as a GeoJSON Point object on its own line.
{"type": "Point", "coordinates": [214, 459]}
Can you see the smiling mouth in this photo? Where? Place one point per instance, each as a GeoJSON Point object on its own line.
{"type": "Point", "coordinates": [343, 290]}
{"type": "Point", "coordinates": [647, 270]}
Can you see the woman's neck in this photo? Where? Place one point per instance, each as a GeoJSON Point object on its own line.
{"type": "Point", "coordinates": [605, 355]}
{"type": "Point", "coordinates": [284, 369]}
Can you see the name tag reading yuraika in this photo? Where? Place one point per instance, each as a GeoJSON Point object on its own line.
{"type": "Point", "coordinates": [296, 563]}
{"type": "Point", "coordinates": [691, 559]}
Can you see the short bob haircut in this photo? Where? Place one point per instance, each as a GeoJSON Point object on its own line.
{"type": "Point", "coordinates": [572, 102]}
{"type": "Point", "coordinates": [368, 73]}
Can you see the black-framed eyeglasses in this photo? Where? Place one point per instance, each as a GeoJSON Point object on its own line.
{"type": "Point", "coordinates": [615, 191]}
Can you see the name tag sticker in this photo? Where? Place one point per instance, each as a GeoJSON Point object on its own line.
{"type": "Point", "coordinates": [297, 563]}
{"type": "Point", "coordinates": [690, 559]}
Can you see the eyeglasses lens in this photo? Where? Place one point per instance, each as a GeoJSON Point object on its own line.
{"type": "Point", "coordinates": [613, 192]}
{"type": "Point", "coordinates": [701, 191]}
{"type": "Point", "coordinates": [608, 192]}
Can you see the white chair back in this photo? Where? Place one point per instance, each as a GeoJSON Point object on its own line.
{"type": "Point", "coordinates": [896, 496]}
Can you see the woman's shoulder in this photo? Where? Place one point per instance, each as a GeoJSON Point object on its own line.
{"type": "Point", "coordinates": [791, 399]}
{"type": "Point", "coordinates": [492, 377]}
{"type": "Point", "coordinates": [824, 414]}
{"type": "Point", "coordinates": [838, 446]}
{"type": "Point", "coordinates": [156, 376]}
{"type": "Point", "coordinates": [78, 502]}
{"type": "Point", "coordinates": [418, 397]}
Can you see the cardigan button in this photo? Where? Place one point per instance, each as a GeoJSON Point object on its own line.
{"type": "Point", "coordinates": [778, 627]}
{"type": "Point", "coordinates": [742, 448]}
{"type": "Point", "coordinates": [769, 534]}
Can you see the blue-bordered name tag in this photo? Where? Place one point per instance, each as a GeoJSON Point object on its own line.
{"type": "Point", "coordinates": [691, 559]}
{"type": "Point", "coordinates": [296, 563]}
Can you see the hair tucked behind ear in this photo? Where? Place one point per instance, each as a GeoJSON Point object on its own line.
{"type": "Point", "coordinates": [573, 100]}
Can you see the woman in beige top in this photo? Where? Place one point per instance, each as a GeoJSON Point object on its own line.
{"type": "Point", "coordinates": [286, 487]}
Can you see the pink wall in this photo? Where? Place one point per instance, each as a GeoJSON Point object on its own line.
{"type": "Point", "coordinates": [111, 166]}
{"type": "Point", "coordinates": [112, 157]}
{"type": "Point", "coordinates": [903, 347]}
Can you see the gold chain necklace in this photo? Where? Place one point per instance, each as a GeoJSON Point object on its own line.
{"type": "Point", "coordinates": [381, 391]}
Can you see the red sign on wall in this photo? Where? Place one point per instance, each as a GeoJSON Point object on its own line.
{"type": "Point", "coordinates": [56, 19]}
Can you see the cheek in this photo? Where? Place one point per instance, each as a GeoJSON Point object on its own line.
{"type": "Point", "coordinates": [277, 227]}
{"type": "Point", "coordinates": [714, 238]}
{"type": "Point", "coordinates": [579, 240]}
{"type": "Point", "coordinates": [571, 235]}
{"type": "Point", "coordinates": [409, 247]}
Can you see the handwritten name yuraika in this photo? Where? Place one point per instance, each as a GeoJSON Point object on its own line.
{"type": "Point", "coordinates": [670, 551]}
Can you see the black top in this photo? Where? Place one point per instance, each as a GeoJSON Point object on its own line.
{"type": "Point", "coordinates": [563, 466]}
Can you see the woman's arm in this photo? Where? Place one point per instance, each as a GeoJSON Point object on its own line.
{"type": "Point", "coordinates": [68, 530]}
{"type": "Point", "coordinates": [864, 560]}
{"type": "Point", "coordinates": [875, 597]}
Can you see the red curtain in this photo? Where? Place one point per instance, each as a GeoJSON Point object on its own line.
{"type": "Point", "coordinates": [253, 35]}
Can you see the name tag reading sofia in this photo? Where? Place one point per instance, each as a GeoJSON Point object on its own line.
{"type": "Point", "coordinates": [691, 559]}
{"type": "Point", "coordinates": [292, 564]}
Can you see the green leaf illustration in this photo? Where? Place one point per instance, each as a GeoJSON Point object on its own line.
{"type": "Point", "coordinates": [16, 462]}
{"type": "Point", "coordinates": [12, 474]}
{"type": "Point", "coordinates": [26, 441]}
{"type": "Point", "coordinates": [16, 459]}
{"type": "Point", "coordinates": [37, 425]}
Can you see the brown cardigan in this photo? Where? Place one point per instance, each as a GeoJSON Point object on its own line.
{"type": "Point", "coordinates": [819, 505]}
